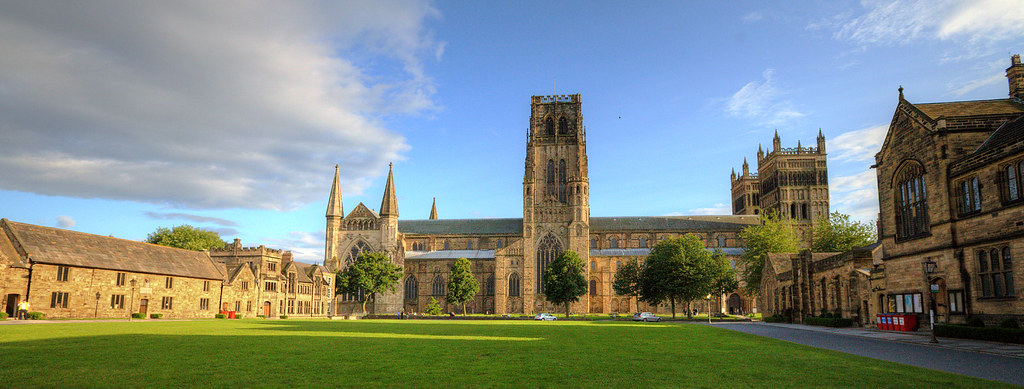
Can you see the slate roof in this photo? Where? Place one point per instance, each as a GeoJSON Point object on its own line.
{"type": "Point", "coordinates": [731, 251]}
{"type": "Point", "coordinates": [450, 254]}
{"type": "Point", "coordinates": [1009, 133]}
{"type": "Point", "coordinates": [514, 226]}
{"type": "Point", "coordinates": [970, 108]}
{"type": "Point", "coordinates": [64, 247]}
{"type": "Point", "coordinates": [780, 262]}
{"type": "Point", "coordinates": [461, 226]}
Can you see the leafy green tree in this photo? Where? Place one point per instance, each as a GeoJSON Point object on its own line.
{"type": "Point", "coordinates": [564, 281]}
{"type": "Point", "coordinates": [838, 233]}
{"type": "Point", "coordinates": [773, 235]}
{"type": "Point", "coordinates": [679, 270]}
{"type": "Point", "coordinates": [627, 280]}
{"type": "Point", "coordinates": [186, 237]}
{"type": "Point", "coordinates": [726, 281]}
{"type": "Point", "coordinates": [372, 273]}
{"type": "Point", "coordinates": [433, 307]}
{"type": "Point", "coordinates": [462, 286]}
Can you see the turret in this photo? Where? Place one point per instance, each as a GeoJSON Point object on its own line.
{"type": "Point", "coordinates": [433, 210]}
{"type": "Point", "coordinates": [776, 142]}
{"type": "Point", "coordinates": [733, 176]}
{"type": "Point", "coordinates": [821, 142]}
{"type": "Point", "coordinates": [746, 167]}
{"type": "Point", "coordinates": [1015, 76]}
{"type": "Point", "coordinates": [760, 153]}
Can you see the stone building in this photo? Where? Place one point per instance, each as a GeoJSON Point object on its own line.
{"type": "Point", "coordinates": [791, 182]}
{"type": "Point", "coordinates": [509, 256]}
{"type": "Point", "coordinates": [949, 193]}
{"type": "Point", "coordinates": [805, 284]}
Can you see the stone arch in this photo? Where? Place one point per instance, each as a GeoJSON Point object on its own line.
{"type": "Point", "coordinates": [548, 249]}
{"type": "Point", "coordinates": [411, 288]}
{"type": "Point", "coordinates": [514, 285]}
{"type": "Point", "coordinates": [357, 248]}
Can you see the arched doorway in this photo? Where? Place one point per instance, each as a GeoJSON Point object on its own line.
{"type": "Point", "coordinates": [266, 309]}
{"type": "Point", "coordinates": [734, 305]}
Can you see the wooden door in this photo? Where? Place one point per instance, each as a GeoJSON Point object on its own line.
{"type": "Point", "coordinates": [12, 305]}
{"type": "Point", "coordinates": [143, 306]}
{"type": "Point", "coordinates": [266, 309]}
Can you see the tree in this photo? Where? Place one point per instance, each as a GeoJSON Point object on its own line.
{"type": "Point", "coordinates": [433, 307]}
{"type": "Point", "coordinates": [627, 280]}
{"type": "Point", "coordinates": [838, 233]}
{"type": "Point", "coordinates": [186, 237]}
{"type": "Point", "coordinates": [679, 269]}
{"type": "Point", "coordinates": [725, 282]}
{"type": "Point", "coordinates": [370, 274]}
{"type": "Point", "coordinates": [773, 235]}
{"type": "Point", "coordinates": [564, 282]}
{"type": "Point", "coordinates": [462, 286]}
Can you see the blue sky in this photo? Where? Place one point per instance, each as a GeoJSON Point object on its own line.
{"type": "Point", "coordinates": [121, 118]}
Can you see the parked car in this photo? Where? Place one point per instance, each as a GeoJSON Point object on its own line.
{"type": "Point", "coordinates": [545, 316]}
{"type": "Point", "coordinates": [645, 316]}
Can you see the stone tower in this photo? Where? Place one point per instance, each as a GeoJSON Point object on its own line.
{"type": "Point", "coordinates": [794, 183]}
{"type": "Point", "coordinates": [746, 189]}
{"type": "Point", "coordinates": [335, 215]}
{"type": "Point", "coordinates": [556, 201]}
{"type": "Point", "coordinates": [1015, 76]}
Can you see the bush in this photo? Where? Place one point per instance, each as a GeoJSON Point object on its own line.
{"type": "Point", "coordinates": [828, 321]}
{"type": "Point", "coordinates": [1007, 335]}
{"type": "Point", "coordinates": [433, 307]}
{"type": "Point", "coordinates": [238, 316]}
{"type": "Point", "coordinates": [974, 321]}
{"type": "Point", "coordinates": [3, 315]}
{"type": "Point", "coordinates": [1009, 323]}
{"type": "Point", "coordinates": [138, 316]}
{"type": "Point", "coordinates": [155, 315]}
{"type": "Point", "coordinates": [776, 318]}
{"type": "Point", "coordinates": [36, 315]}
{"type": "Point", "coordinates": [283, 316]}
{"type": "Point", "coordinates": [220, 316]}
{"type": "Point", "coordinates": [261, 316]}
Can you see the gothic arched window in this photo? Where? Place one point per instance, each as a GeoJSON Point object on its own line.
{"type": "Point", "coordinates": [490, 285]}
{"type": "Point", "coordinates": [547, 251]}
{"type": "Point", "coordinates": [353, 254]}
{"type": "Point", "coordinates": [550, 190]}
{"type": "Point", "coordinates": [643, 243]}
{"type": "Point", "coordinates": [549, 127]}
{"type": "Point", "coordinates": [411, 288]}
{"type": "Point", "coordinates": [437, 287]}
{"type": "Point", "coordinates": [513, 285]}
{"type": "Point", "coordinates": [593, 287]}
{"type": "Point", "coordinates": [562, 181]}
{"type": "Point", "coordinates": [911, 201]}
{"type": "Point", "coordinates": [563, 126]}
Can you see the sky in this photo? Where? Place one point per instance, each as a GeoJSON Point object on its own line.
{"type": "Point", "coordinates": [117, 118]}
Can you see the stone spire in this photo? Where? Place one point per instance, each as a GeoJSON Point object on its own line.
{"type": "Point", "coordinates": [776, 142]}
{"type": "Point", "coordinates": [733, 176]}
{"type": "Point", "coordinates": [389, 205]}
{"type": "Point", "coordinates": [746, 167]}
{"type": "Point", "coordinates": [760, 153]}
{"type": "Point", "coordinates": [821, 142]}
{"type": "Point", "coordinates": [433, 210]}
{"type": "Point", "coordinates": [334, 206]}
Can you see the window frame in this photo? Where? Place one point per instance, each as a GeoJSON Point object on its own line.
{"type": "Point", "coordinates": [910, 202]}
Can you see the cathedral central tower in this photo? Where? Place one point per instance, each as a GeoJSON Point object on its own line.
{"type": "Point", "coordinates": [556, 201]}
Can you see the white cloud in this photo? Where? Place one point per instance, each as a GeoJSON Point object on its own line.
{"type": "Point", "coordinates": [207, 105]}
{"type": "Point", "coordinates": [858, 145]}
{"type": "Point", "coordinates": [905, 21]}
{"type": "Point", "coordinates": [717, 209]}
{"type": "Point", "coordinates": [760, 101]}
{"type": "Point", "coordinates": [856, 195]}
{"type": "Point", "coordinates": [190, 217]}
{"type": "Point", "coordinates": [305, 246]}
{"type": "Point", "coordinates": [65, 222]}
{"type": "Point", "coordinates": [753, 17]}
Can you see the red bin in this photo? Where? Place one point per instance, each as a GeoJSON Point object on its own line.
{"type": "Point", "coordinates": [910, 322]}
{"type": "Point", "coordinates": [880, 320]}
{"type": "Point", "coordinates": [231, 314]}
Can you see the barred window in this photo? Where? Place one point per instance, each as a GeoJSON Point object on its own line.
{"type": "Point", "coordinates": [169, 282]}
{"type": "Point", "coordinates": [204, 304]}
{"type": "Point", "coordinates": [968, 196]}
{"type": "Point", "coordinates": [911, 201]}
{"type": "Point", "coordinates": [513, 285]}
{"type": "Point", "coordinates": [206, 286]}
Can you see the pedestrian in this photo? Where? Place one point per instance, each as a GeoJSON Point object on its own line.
{"type": "Point", "coordinates": [28, 307]}
{"type": "Point", "coordinates": [22, 310]}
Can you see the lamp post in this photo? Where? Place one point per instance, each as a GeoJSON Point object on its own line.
{"type": "Point", "coordinates": [131, 304]}
{"type": "Point", "coordinates": [929, 268]}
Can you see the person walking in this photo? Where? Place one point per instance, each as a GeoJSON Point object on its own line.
{"type": "Point", "coordinates": [22, 310]}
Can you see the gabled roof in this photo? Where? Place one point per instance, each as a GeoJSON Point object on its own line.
{"type": "Point", "coordinates": [361, 211]}
{"type": "Point", "coordinates": [1006, 140]}
{"type": "Point", "coordinates": [780, 262]}
{"type": "Point", "coordinates": [64, 247]}
{"type": "Point", "coordinates": [233, 274]}
{"type": "Point", "coordinates": [970, 108]}
{"type": "Point", "coordinates": [1009, 133]}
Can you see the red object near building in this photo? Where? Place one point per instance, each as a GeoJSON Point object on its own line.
{"type": "Point", "coordinates": [231, 314]}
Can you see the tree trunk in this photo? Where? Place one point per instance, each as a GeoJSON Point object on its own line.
{"type": "Point", "coordinates": [672, 301]}
{"type": "Point", "coordinates": [463, 308]}
{"type": "Point", "coordinates": [566, 310]}
{"type": "Point", "coordinates": [689, 310]}
{"type": "Point", "coordinates": [364, 305]}
{"type": "Point", "coordinates": [637, 303]}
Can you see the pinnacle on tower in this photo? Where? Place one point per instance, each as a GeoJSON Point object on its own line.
{"type": "Point", "coordinates": [389, 204]}
{"type": "Point", "coordinates": [733, 174]}
{"type": "Point", "coordinates": [901, 92]}
{"type": "Point", "coordinates": [433, 210]}
{"type": "Point", "coordinates": [746, 167]}
{"type": "Point", "coordinates": [334, 205]}
{"type": "Point", "coordinates": [821, 142]}
{"type": "Point", "coordinates": [776, 142]}
{"type": "Point", "coordinates": [798, 147]}
{"type": "Point", "coordinates": [760, 153]}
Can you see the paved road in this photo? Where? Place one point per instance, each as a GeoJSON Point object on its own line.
{"type": "Point", "coordinates": [981, 365]}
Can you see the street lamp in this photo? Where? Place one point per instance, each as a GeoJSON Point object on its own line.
{"type": "Point", "coordinates": [929, 268]}
{"type": "Point", "coordinates": [131, 303]}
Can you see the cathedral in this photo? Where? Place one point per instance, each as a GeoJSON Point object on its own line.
{"type": "Point", "coordinates": [509, 256]}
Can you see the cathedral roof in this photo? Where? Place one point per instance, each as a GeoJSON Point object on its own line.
{"type": "Point", "coordinates": [1008, 139]}
{"type": "Point", "coordinates": [970, 108]}
{"type": "Point", "coordinates": [450, 254]}
{"type": "Point", "coordinates": [730, 251]}
{"type": "Point", "coordinates": [64, 247]}
{"type": "Point", "coordinates": [671, 223]}
{"type": "Point", "coordinates": [461, 226]}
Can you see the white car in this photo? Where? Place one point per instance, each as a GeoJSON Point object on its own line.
{"type": "Point", "coordinates": [545, 316]}
{"type": "Point", "coordinates": [645, 316]}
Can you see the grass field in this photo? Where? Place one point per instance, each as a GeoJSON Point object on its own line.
{"type": "Point", "coordinates": [426, 353]}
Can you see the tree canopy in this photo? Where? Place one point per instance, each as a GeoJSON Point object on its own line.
{"type": "Point", "coordinates": [186, 237]}
{"type": "Point", "coordinates": [462, 286]}
{"type": "Point", "coordinates": [372, 273]}
{"type": "Point", "coordinates": [838, 233]}
{"type": "Point", "coordinates": [773, 235]}
{"type": "Point", "coordinates": [627, 280]}
{"type": "Point", "coordinates": [564, 281]}
{"type": "Point", "coordinates": [679, 269]}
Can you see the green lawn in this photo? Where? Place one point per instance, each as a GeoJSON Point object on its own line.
{"type": "Point", "coordinates": [427, 353]}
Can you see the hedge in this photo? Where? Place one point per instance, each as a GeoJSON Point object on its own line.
{"type": "Point", "coordinates": [36, 315]}
{"type": "Point", "coordinates": [775, 319]}
{"type": "Point", "coordinates": [828, 321]}
{"type": "Point", "coordinates": [220, 316]}
{"type": "Point", "coordinates": [995, 334]}
{"type": "Point", "coordinates": [155, 315]}
{"type": "Point", "coordinates": [138, 316]}
{"type": "Point", "coordinates": [3, 315]}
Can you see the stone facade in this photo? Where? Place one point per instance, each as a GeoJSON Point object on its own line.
{"type": "Point", "coordinates": [807, 284]}
{"type": "Point", "coordinates": [509, 255]}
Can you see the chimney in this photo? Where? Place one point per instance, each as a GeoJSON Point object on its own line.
{"type": "Point", "coordinates": [1015, 76]}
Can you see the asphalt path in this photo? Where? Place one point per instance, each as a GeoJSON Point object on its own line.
{"type": "Point", "coordinates": [988, 366]}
